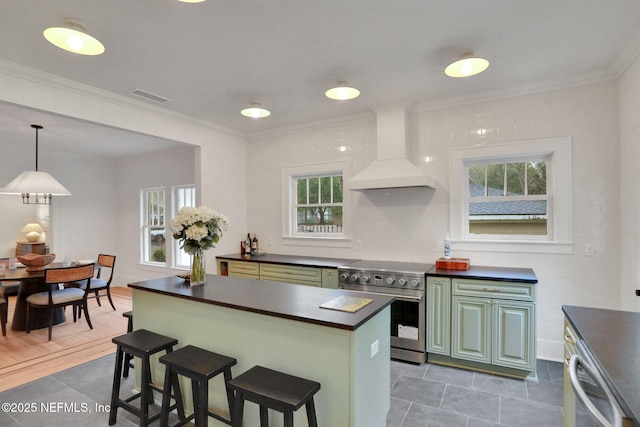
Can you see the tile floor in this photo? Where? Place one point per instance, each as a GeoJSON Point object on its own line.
{"type": "Point", "coordinates": [421, 395]}
{"type": "Point", "coordinates": [438, 396]}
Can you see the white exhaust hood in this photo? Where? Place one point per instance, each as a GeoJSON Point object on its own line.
{"type": "Point", "coordinates": [391, 169]}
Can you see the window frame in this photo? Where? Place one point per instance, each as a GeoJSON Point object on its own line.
{"type": "Point", "coordinates": [145, 228]}
{"type": "Point", "coordinates": [290, 235]}
{"type": "Point", "coordinates": [176, 205]}
{"type": "Point", "coordinates": [557, 152]}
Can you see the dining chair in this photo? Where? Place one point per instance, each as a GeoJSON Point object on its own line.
{"type": "Point", "coordinates": [54, 298]}
{"type": "Point", "coordinates": [98, 284]}
{"type": "Point", "coordinates": [4, 308]}
{"type": "Point", "coordinates": [8, 287]}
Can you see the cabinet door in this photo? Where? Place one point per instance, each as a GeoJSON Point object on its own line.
{"type": "Point", "coordinates": [330, 278]}
{"type": "Point", "coordinates": [513, 334]}
{"type": "Point", "coordinates": [309, 276]}
{"type": "Point", "coordinates": [471, 329]}
{"type": "Point", "coordinates": [246, 269]}
{"type": "Point", "coordinates": [438, 315]}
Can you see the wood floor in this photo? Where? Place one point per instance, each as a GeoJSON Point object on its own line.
{"type": "Point", "coordinates": [26, 357]}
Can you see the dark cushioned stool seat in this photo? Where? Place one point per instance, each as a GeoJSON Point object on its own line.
{"type": "Point", "coordinates": [273, 390]}
{"type": "Point", "coordinates": [200, 366]}
{"type": "Point", "coordinates": [142, 344]}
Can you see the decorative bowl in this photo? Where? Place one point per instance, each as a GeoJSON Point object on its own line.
{"type": "Point", "coordinates": [35, 262]}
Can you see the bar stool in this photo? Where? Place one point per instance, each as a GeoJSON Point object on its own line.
{"type": "Point", "coordinates": [273, 390]}
{"type": "Point", "coordinates": [142, 344]}
{"type": "Point", "coordinates": [199, 366]}
{"type": "Point", "coordinates": [128, 359]}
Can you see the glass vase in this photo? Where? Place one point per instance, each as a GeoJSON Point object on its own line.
{"type": "Point", "coordinates": [198, 268]}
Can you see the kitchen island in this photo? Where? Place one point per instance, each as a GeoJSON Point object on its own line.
{"type": "Point", "coordinates": [280, 326]}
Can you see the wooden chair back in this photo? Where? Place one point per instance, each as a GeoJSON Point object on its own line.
{"type": "Point", "coordinates": [68, 274]}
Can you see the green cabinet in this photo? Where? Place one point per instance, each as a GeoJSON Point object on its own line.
{"type": "Point", "coordinates": [438, 315]}
{"type": "Point", "coordinates": [247, 270]}
{"type": "Point", "coordinates": [483, 322]}
{"type": "Point", "coordinates": [309, 276]}
{"type": "Point", "coordinates": [494, 322]}
{"type": "Point", "coordinates": [300, 275]}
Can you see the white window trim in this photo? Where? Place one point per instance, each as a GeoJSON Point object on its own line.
{"type": "Point", "coordinates": [144, 249]}
{"type": "Point", "coordinates": [559, 179]}
{"type": "Point", "coordinates": [288, 172]}
{"type": "Point", "coordinates": [174, 211]}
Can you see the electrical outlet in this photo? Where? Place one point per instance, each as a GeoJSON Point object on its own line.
{"type": "Point", "coordinates": [588, 249]}
{"type": "Point", "coordinates": [359, 245]}
{"type": "Point", "coordinates": [269, 241]}
{"type": "Point", "coordinates": [374, 348]}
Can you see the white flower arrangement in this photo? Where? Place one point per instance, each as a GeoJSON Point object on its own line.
{"type": "Point", "coordinates": [198, 228]}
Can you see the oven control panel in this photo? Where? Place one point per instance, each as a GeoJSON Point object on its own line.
{"type": "Point", "coordinates": [353, 278]}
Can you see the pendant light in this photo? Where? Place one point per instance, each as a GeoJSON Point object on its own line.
{"type": "Point", "coordinates": [35, 187]}
{"type": "Point", "coordinates": [342, 92]}
{"type": "Point", "coordinates": [73, 37]}
{"type": "Point", "coordinates": [255, 111]}
{"type": "Point", "coordinates": [466, 65]}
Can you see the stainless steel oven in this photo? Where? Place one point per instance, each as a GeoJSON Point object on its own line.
{"type": "Point", "coordinates": [592, 393]}
{"type": "Point", "coordinates": [406, 282]}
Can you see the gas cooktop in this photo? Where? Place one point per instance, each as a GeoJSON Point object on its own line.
{"type": "Point", "coordinates": [397, 267]}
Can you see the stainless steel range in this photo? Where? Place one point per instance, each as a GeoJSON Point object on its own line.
{"type": "Point", "coordinates": [405, 281]}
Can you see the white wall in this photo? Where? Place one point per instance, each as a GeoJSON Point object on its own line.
{"type": "Point", "coordinates": [629, 189]}
{"type": "Point", "coordinates": [408, 224]}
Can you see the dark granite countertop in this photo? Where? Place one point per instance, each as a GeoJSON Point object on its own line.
{"type": "Point", "coordinates": [294, 302]}
{"type": "Point", "coordinates": [504, 274]}
{"type": "Point", "coordinates": [613, 339]}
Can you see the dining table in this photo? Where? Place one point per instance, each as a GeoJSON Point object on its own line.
{"type": "Point", "coordinates": [31, 282]}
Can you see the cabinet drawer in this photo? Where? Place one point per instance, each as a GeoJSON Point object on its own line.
{"type": "Point", "coordinates": [291, 274]}
{"type": "Point", "coordinates": [493, 289]}
{"type": "Point", "coordinates": [243, 269]}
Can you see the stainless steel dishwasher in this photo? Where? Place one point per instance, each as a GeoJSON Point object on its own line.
{"type": "Point", "coordinates": [592, 391]}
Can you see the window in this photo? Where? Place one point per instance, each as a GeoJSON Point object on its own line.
{"type": "Point", "coordinates": [512, 194]}
{"type": "Point", "coordinates": [318, 205]}
{"type": "Point", "coordinates": [153, 226]}
{"type": "Point", "coordinates": [184, 195]}
{"type": "Point", "coordinates": [156, 231]}
{"type": "Point", "coordinates": [316, 209]}
{"type": "Point", "coordinates": [508, 198]}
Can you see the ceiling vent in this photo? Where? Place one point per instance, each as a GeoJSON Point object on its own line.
{"type": "Point", "coordinates": [148, 96]}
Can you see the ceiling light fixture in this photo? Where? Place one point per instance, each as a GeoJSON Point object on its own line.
{"type": "Point", "coordinates": [466, 65]}
{"type": "Point", "coordinates": [255, 111]}
{"type": "Point", "coordinates": [73, 37]}
{"type": "Point", "coordinates": [34, 186]}
{"type": "Point", "coordinates": [342, 92]}
{"type": "Point", "coordinates": [192, 1]}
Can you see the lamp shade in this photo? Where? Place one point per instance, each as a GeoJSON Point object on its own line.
{"type": "Point", "coordinates": [35, 182]}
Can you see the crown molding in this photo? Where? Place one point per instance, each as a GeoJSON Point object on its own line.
{"type": "Point", "coordinates": [22, 72]}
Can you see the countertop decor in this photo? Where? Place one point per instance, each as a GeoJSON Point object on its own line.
{"type": "Point", "coordinates": [198, 229]}
{"type": "Point", "coordinates": [36, 262]}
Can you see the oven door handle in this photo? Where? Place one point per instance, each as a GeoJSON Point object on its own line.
{"type": "Point", "coordinates": [401, 297]}
{"type": "Point", "coordinates": [582, 395]}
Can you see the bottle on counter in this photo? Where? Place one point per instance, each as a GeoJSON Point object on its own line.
{"type": "Point", "coordinates": [254, 245]}
{"type": "Point", "coordinates": [242, 251]}
{"type": "Point", "coordinates": [447, 247]}
{"type": "Point", "coordinates": [247, 245]}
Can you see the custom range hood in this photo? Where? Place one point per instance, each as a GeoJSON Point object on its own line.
{"type": "Point", "coordinates": [391, 169]}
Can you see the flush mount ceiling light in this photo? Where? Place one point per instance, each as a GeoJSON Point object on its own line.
{"type": "Point", "coordinates": [342, 92]}
{"type": "Point", "coordinates": [466, 65]}
{"type": "Point", "coordinates": [73, 37]}
{"type": "Point", "coordinates": [34, 186]}
{"type": "Point", "coordinates": [255, 111]}
{"type": "Point", "coordinates": [191, 1]}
